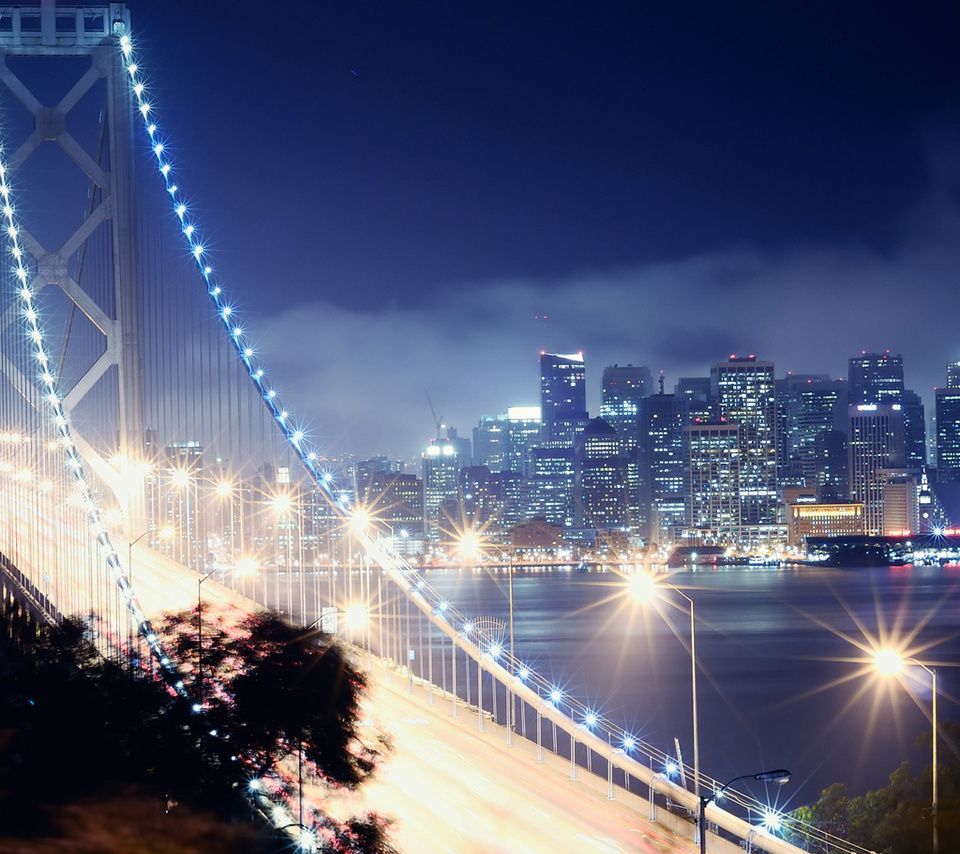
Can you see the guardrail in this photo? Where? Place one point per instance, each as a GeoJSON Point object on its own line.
{"type": "Point", "coordinates": [624, 757]}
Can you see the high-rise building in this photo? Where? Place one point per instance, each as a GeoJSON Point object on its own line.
{"type": "Point", "coordinates": [490, 438]}
{"type": "Point", "coordinates": [175, 502]}
{"type": "Point", "coordinates": [441, 468]}
{"type": "Point", "coordinates": [698, 394]}
{"type": "Point", "coordinates": [548, 491]}
{"type": "Point", "coordinates": [953, 374]}
{"type": "Point", "coordinates": [503, 442]}
{"type": "Point", "coordinates": [807, 405]}
{"type": "Point", "coordinates": [396, 502]}
{"type": "Point", "coordinates": [600, 478]}
{"type": "Point", "coordinates": [713, 467]}
{"type": "Point", "coordinates": [948, 435]}
{"type": "Point", "coordinates": [360, 472]}
{"type": "Point", "coordinates": [662, 419]}
{"type": "Point", "coordinates": [876, 443]}
{"type": "Point", "coordinates": [624, 387]}
{"type": "Point", "coordinates": [831, 475]}
{"type": "Point", "coordinates": [914, 431]}
{"type": "Point", "coordinates": [876, 378]}
{"type": "Point", "coordinates": [563, 398]}
{"type": "Point", "coordinates": [745, 395]}
{"type": "Point", "coordinates": [481, 497]}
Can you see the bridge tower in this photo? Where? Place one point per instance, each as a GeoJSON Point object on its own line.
{"type": "Point", "coordinates": [68, 35]}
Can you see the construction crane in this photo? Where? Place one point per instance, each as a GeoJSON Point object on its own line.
{"type": "Point", "coordinates": [438, 419]}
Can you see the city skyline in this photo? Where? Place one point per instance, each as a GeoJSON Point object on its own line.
{"type": "Point", "coordinates": [458, 190]}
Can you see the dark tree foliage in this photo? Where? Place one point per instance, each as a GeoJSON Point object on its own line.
{"type": "Point", "coordinates": [898, 818]}
{"type": "Point", "coordinates": [361, 836]}
{"type": "Point", "coordinates": [274, 690]}
{"type": "Point", "coordinates": [77, 725]}
{"type": "Point", "coordinates": [74, 723]}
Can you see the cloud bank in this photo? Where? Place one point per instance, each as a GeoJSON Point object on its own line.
{"type": "Point", "coordinates": [360, 378]}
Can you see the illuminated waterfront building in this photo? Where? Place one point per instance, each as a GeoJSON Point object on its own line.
{"type": "Point", "coordinates": [875, 443]}
{"type": "Point", "coordinates": [548, 491]}
{"type": "Point", "coordinates": [823, 520]}
{"type": "Point", "coordinates": [745, 395]}
{"type": "Point", "coordinates": [901, 504]}
{"type": "Point", "coordinates": [713, 471]}
{"type": "Point", "coordinates": [662, 471]}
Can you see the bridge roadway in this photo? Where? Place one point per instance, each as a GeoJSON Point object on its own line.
{"type": "Point", "coordinates": [447, 786]}
{"type": "Point", "coordinates": [451, 789]}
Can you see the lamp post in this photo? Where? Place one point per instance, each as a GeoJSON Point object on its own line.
{"type": "Point", "coordinates": [470, 549]}
{"type": "Point", "coordinates": [643, 586]}
{"type": "Point", "coordinates": [889, 662]}
{"type": "Point", "coordinates": [164, 533]}
{"type": "Point", "coordinates": [130, 546]}
{"type": "Point", "coordinates": [200, 638]}
{"type": "Point", "coordinates": [780, 776]}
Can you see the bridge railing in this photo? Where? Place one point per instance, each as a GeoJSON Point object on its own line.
{"type": "Point", "coordinates": [623, 757]}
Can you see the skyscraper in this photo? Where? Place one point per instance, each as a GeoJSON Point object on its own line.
{"type": "Point", "coordinates": [953, 374]}
{"type": "Point", "coordinates": [624, 387]}
{"type": "Point", "coordinates": [600, 478]}
{"type": "Point", "coordinates": [662, 419]}
{"type": "Point", "coordinates": [876, 378]}
{"type": "Point", "coordinates": [548, 491]}
{"type": "Point", "coordinates": [503, 442]}
{"type": "Point", "coordinates": [441, 468]}
{"type": "Point", "coordinates": [563, 398]}
{"type": "Point", "coordinates": [745, 395]}
{"type": "Point", "coordinates": [713, 466]}
{"type": "Point", "coordinates": [807, 405]}
{"type": "Point", "coordinates": [948, 435]}
{"type": "Point", "coordinates": [876, 443]}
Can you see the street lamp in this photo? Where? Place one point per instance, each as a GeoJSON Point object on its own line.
{"type": "Point", "coordinates": [471, 547]}
{"type": "Point", "coordinates": [164, 533]}
{"type": "Point", "coordinates": [203, 578]}
{"type": "Point", "coordinates": [643, 587]}
{"type": "Point", "coordinates": [780, 776]}
{"type": "Point", "coordinates": [889, 662]}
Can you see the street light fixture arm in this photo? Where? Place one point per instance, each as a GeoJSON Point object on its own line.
{"type": "Point", "coordinates": [779, 776]}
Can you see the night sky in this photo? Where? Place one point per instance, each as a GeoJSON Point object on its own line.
{"type": "Point", "coordinates": [425, 195]}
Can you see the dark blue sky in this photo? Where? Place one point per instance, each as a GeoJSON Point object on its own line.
{"type": "Point", "coordinates": [667, 182]}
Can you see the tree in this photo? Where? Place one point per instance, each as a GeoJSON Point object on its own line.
{"type": "Point", "coordinates": [274, 691]}
{"type": "Point", "coordinates": [897, 818]}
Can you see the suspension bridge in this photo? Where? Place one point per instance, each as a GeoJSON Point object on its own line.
{"type": "Point", "coordinates": [144, 449]}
